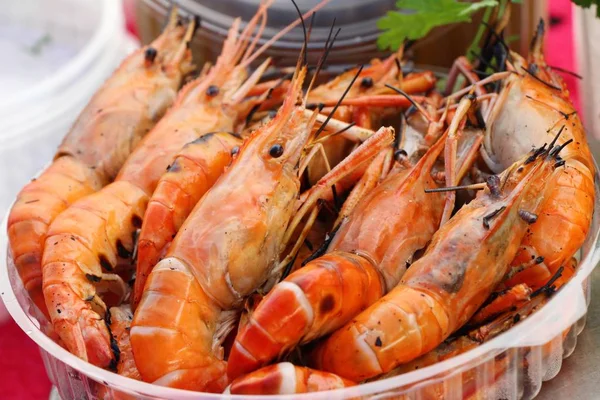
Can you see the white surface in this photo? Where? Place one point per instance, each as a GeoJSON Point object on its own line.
{"type": "Point", "coordinates": [85, 40]}
{"type": "Point", "coordinates": [55, 55]}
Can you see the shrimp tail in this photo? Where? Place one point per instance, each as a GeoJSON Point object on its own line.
{"type": "Point", "coordinates": [288, 379]}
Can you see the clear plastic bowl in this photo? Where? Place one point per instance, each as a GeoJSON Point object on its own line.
{"type": "Point", "coordinates": [526, 355]}
{"type": "Point", "coordinates": [57, 53]}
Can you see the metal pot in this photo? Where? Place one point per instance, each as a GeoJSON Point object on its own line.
{"type": "Point", "coordinates": [355, 44]}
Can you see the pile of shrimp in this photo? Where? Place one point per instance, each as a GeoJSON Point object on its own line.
{"type": "Point", "coordinates": [262, 231]}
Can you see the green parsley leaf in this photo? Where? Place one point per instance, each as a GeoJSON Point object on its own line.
{"type": "Point", "coordinates": [588, 4]}
{"type": "Point", "coordinates": [424, 16]}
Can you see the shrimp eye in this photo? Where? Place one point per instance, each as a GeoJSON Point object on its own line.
{"type": "Point", "coordinates": [150, 54]}
{"type": "Point", "coordinates": [276, 151]}
{"type": "Point", "coordinates": [366, 82]}
{"type": "Point", "coordinates": [212, 91]}
{"type": "Point", "coordinates": [235, 150]}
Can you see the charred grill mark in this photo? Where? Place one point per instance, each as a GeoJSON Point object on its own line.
{"type": "Point", "coordinates": [121, 250]}
{"type": "Point", "coordinates": [93, 278]}
{"type": "Point", "coordinates": [113, 344]}
{"type": "Point", "coordinates": [136, 221]}
{"type": "Point", "coordinates": [327, 304]}
{"type": "Point", "coordinates": [490, 216]}
{"type": "Point", "coordinates": [105, 263]}
{"type": "Point", "coordinates": [452, 281]}
{"type": "Point", "coordinates": [203, 138]}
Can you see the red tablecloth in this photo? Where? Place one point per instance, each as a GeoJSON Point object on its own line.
{"type": "Point", "coordinates": [22, 374]}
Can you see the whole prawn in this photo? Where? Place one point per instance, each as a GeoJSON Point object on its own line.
{"type": "Point", "coordinates": [94, 237]}
{"type": "Point", "coordinates": [121, 112]}
{"type": "Point", "coordinates": [192, 173]}
{"type": "Point", "coordinates": [466, 259]}
{"type": "Point", "coordinates": [366, 258]}
{"type": "Point", "coordinates": [533, 106]}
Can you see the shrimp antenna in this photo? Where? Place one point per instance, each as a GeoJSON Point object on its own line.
{"type": "Point", "coordinates": [303, 29]}
{"type": "Point", "coordinates": [412, 101]}
{"type": "Point", "coordinates": [173, 16]}
{"type": "Point", "coordinates": [398, 138]}
{"type": "Point", "coordinates": [538, 38]}
{"type": "Point", "coordinates": [323, 58]}
{"type": "Point", "coordinates": [323, 248]}
{"type": "Point", "coordinates": [496, 35]}
{"type": "Point", "coordinates": [282, 32]}
{"type": "Point", "coordinates": [553, 142]}
{"type": "Point", "coordinates": [566, 71]}
{"type": "Point", "coordinates": [558, 149]}
{"type": "Point", "coordinates": [476, 186]}
{"type": "Point", "coordinates": [324, 124]}
{"type": "Point", "coordinates": [548, 288]}
{"type": "Point", "coordinates": [338, 132]}
{"type": "Point", "coordinates": [537, 78]}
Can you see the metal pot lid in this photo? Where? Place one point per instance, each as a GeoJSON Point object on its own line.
{"type": "Point", "coordinates": [357, 18]}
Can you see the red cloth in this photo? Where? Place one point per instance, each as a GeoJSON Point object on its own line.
{"type": "Point", "coordinates": [560, 51]}
{"type": "Point", "coordinates": [22, 374]}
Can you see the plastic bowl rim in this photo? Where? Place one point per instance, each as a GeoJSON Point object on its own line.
{"type": "Point", "coordinates": [413, 379]}
{"type": "Point", "coordinates": [110, 21]}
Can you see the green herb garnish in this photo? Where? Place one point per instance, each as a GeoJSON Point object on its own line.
{"type": "Point", "coordinates": [423, 17]}
{"type": "Point", "coordinates": [588, 4]}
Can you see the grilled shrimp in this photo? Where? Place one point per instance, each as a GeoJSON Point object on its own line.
{"type": "Point", "coordinates": [220, 257]}
{"type": "Point", "coordinates": [533, 106]}
{"type": "Point", "coordinates": [439, 293]}
{"type": "Point", "coordinates": [286, 378]}
{"type": "Point", "coordinates": [478, 334]}
{"type": "Point", "coordinates": [367, 257]}
{"type": "Point", "coordinates": [194, 170]}
{"type": "Point", "coordinates": [121, 112]}
{"type": "Point", "coordinates": [94, 237]}
{"type": "Point", "coordinates": [120, 323]}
